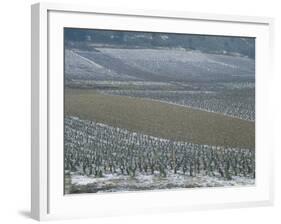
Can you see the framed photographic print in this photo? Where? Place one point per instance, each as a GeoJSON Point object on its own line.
{"type": "Point", "coordinates": [148, 111]}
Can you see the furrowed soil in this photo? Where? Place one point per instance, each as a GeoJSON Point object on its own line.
{"type": "Point", "coordinates": [160, 119]}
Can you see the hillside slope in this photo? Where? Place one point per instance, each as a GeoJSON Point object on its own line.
{"type": "Point", "coordinates": [160, 119]}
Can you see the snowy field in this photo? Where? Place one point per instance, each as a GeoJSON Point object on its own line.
{"type": "Point", "coordinates": [117, 183]}
{"type": "Point", "coordinates": [103, 158]}
{"type": "Point", "coordinates": [216, 83]}
{"type": "Point", "coordinates": [175, 64]}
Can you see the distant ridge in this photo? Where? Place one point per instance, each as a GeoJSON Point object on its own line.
{"type": "Point", "coordinates": [241, 46]}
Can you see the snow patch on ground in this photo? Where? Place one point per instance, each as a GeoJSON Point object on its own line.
{"type": "Point", "coordinates": [115, 182]}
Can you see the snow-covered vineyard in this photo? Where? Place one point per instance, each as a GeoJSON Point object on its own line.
{"type": "Point", "coordinates": [101, 158]}
{"type": "Point", "coordinates": [239, 105]}
{"type": "Point", "coordinates": [216, 83]}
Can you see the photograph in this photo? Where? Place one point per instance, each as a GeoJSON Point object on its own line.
{"type": "Point", "coordinates": [148, 111]}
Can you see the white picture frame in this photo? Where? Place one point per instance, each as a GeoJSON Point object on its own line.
{"type": "Point", "coordinates": [47, 198]}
